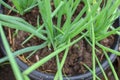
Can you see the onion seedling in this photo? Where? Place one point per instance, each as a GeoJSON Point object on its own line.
{"type": "Point", "coordinates": [20, 6]}
{"type": "Point", "coordinates": [93, 23]}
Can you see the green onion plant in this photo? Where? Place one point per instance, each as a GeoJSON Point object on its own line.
{"type": "Point", "coordinates": [93, 23]}
{"type": "Point", "coordinates": [20, 6]}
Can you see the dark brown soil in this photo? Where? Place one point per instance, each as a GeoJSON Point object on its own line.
{"type": "Point", "coordinates": [78, 53]}
{"type": "Point", "coordinates": [6, 72]}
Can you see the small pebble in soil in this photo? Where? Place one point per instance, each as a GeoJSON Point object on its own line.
{"type": "Point", "coordinates": [119, 47]}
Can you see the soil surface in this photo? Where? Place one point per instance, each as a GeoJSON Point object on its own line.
{"type": "Point", "coordinates": [6, 72]}
{"type": "Point", "coordinates": [78, 54]}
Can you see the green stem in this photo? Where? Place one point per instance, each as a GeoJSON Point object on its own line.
{"type": "Point", "coordinates": [12, 60]}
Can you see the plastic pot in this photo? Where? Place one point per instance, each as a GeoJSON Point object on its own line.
{"type": "Point", "coordinates": [36, 75]}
